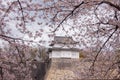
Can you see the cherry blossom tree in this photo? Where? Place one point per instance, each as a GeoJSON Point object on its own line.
{"type": "Point", "coordinates": [90, 22]}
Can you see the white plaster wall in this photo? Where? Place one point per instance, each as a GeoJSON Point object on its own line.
{"type": "Point", "coordinates": [64, 54]}
{"type": "Point", "coordinates": [75, 55]}
{"type": "Point", "coordinates": [56, 54]}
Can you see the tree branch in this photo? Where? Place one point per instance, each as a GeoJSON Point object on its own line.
{"type": "Point", "coordinates": [111, 4]}
{"type": "Point", "coordinates": [23, 18]}
{"type": "Point", "coordinates": [9, 37]}
{"type": "Point", "coordinates": [92, 66]}
{"type": "Point", "coordinates": [1, 72]}
{"type": "Point", "coordinates": [75, 7]}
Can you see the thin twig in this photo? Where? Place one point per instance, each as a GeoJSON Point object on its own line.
{"type": "Point", "coordinates": [10, 39]}
{"type": "Point", "coordinates": [21, 60]}
{"type": "Point", "coordinates": [5, 14]}
{"type": "Point", "coordinates": [109, 68]}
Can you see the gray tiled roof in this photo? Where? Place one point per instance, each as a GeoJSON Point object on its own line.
{"type": "Point", "coordinates": [63, 40]}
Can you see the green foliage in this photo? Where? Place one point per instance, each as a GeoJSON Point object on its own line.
{"type": "Point", "coordinates": [81, 55]}
{"type": "Point", "coordinates": [33, 52]}
{"type": "Point", "coordinates": [43, 54]}
{"type": "Point", "coordinates": [39, 53]}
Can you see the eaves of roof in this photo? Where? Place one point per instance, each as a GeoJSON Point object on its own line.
{"type": "Point", "coordinates": [65, 49]}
